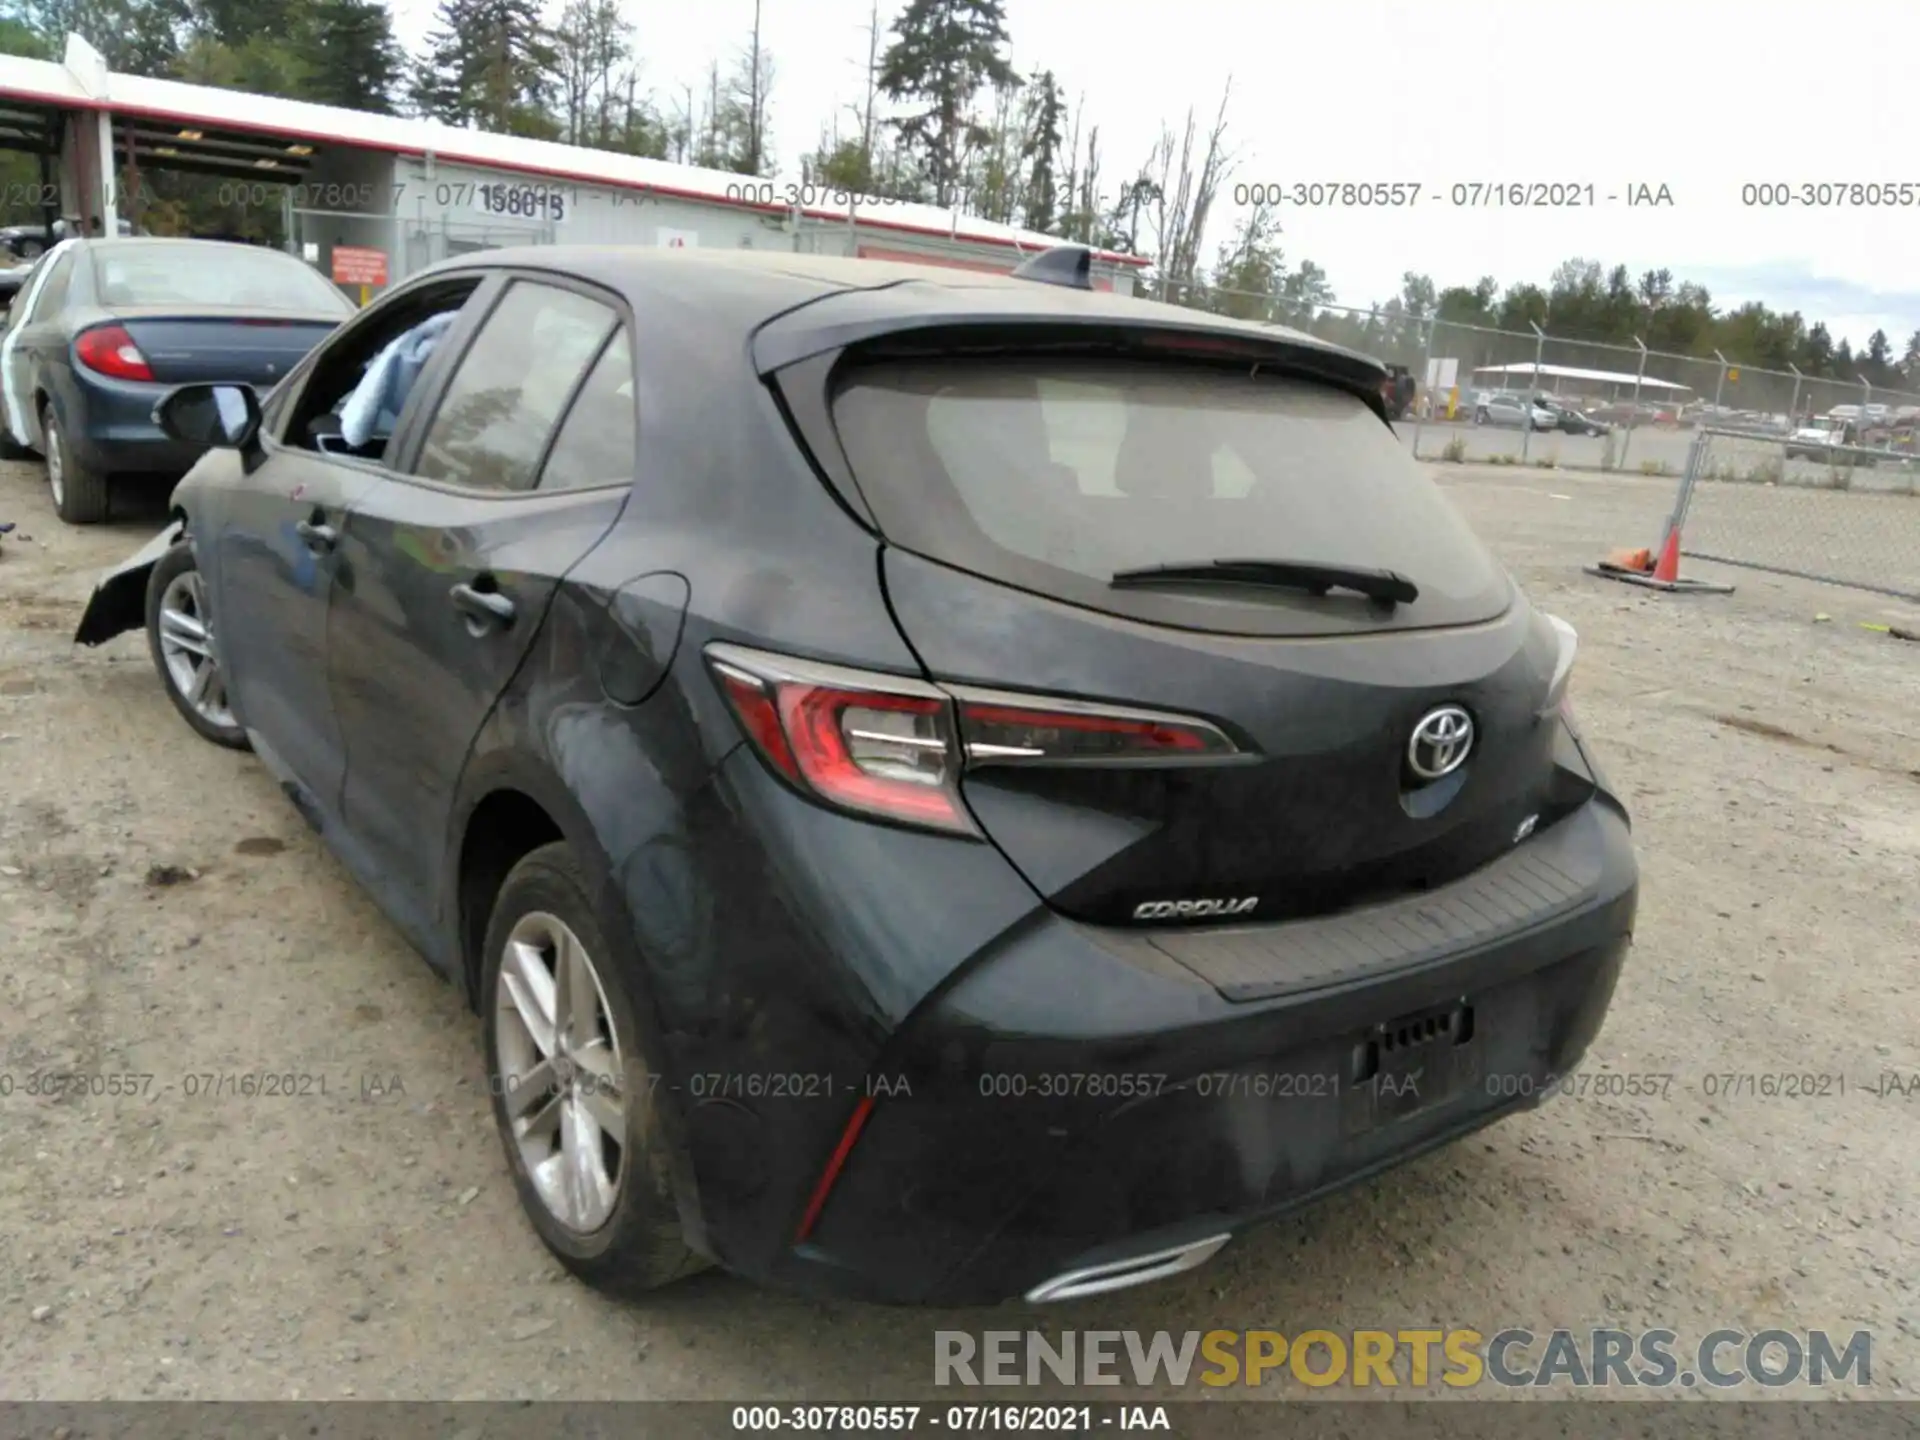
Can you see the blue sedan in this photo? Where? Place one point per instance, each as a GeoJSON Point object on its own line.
{"type": "Point", "coordinates": [103, 328]}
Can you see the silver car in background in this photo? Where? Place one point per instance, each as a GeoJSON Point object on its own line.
{"type": "Point", "coordinates": [1508, 407]}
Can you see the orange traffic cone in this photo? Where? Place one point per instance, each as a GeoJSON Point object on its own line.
{"type": "Point", "coordinates": [1638, 567]}
{"type": "Point", "coordinates": [1667, 572]}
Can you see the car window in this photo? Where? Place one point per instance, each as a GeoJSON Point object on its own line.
{"type": "Point", "coordinates": [203, 272]}
{"type": "Point", "coordinates": [1054, 476]}
{"type": "Point", "coordinates": [505, 398]}
{"type": "Point", "coordinates": [597, 443]}
{"type": "Point", "coordinates": [53, 294]}
{"type": "Point", "coordinates": [371, 361]}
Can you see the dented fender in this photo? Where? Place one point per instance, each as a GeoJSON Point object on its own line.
{"type": "Point", "coordinates": [119, 600]}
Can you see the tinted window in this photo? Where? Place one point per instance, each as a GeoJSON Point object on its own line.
{"type": "Point", "coordinates": [1055, 476]}
{"type": "Point", "coordinates": [505, 398]}
{"type": "Point", "coordinates": [596, 445]}
{"type": "Point", "coordinates": [202, 272]}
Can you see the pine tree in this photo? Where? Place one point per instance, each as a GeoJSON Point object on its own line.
{"type": "Point", "coordinates": [489, 64]}
{"type": "Point", "coordinates": [945, 53]}
{"type": "Point", "coordinates": [1047, 120]}
{"type": "Point", "coordinates": [353, 58]}
{"type": "Point", "coordinates": [234, 22]}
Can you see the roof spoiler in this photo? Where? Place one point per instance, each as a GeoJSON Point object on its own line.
{"type": "Point", "coordinates": [1067, 265]}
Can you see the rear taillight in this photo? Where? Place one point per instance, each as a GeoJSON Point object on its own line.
{"type": "Point", "coordinates": [1003, 729]}
{"type": "Point", "coordinates": [879, 745]}
{"type": "Point", "coordinates": [109, 350]}
{"type": "Point", "coordinates": [895, 748]}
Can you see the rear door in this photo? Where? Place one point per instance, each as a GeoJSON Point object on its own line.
{"type": "Point", "coordinates": [1205, 741]}
{"type": "Point", "coordinates": [516, 469]}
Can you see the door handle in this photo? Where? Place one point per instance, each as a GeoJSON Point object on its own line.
{"type": "Point", "coordinates": [320, 537]}
{"type": "Point", "coordinates": [489, 608]}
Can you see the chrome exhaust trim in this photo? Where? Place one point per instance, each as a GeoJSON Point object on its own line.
{"type": "Point", "coordinates": [1124, 1274]}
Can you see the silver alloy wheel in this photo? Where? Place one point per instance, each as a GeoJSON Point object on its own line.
{"type": "Point", "coordinates": [56, 479]}
{"type": "Point", "coordinates": [186, 645]}
{"type": "Point", "coordinates": [562, 1076]}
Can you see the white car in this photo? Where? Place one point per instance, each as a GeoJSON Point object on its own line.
{"type": "Point", "coordinates": [1503, 407]}
{"type": "Point", "coordinates": [1821, 439]}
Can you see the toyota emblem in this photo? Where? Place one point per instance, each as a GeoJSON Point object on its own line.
{"type": "Point", "coordinates": [1441, 742]}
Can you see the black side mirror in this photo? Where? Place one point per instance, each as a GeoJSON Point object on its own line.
{"type": "Point", "coordinates": [210, 416]}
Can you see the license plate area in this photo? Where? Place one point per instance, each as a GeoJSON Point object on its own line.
{"type": "Point", "coordinates": [1410, 1064]}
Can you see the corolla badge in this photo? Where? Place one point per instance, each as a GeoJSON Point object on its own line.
{"type": "Point", "coordinates": [1193, 909]}
{"type": "Point", "coordinates": [1441, 742]}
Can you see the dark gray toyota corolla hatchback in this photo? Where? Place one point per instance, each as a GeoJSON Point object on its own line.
{"type": "Point", "coordinates": [941, 787]}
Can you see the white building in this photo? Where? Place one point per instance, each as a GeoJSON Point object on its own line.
{"type": "Point", "coordinates": [417, 191]}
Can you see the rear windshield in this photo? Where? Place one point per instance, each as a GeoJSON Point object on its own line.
{"type": "Point", "coordinates": [189, 272]}
{"type": "Point", "coordinates": [1056, 476]}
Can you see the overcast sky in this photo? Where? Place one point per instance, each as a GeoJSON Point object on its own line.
{"type": "Point", "coordinates": [1701, 96]}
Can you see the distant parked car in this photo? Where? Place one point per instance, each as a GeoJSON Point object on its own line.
{"type": "Point", "coordinates": [30, 242]}
{"type": "Point", "coordinates": [1504, 407]}
{"type": "Point", "coordinates": [104, 328]}
{"type": "Point", "coordinates": [1824, 440]}
{"type": "Point", "coordinates": [1627, 412]}
{"type": "Point", "coordinates": [1570, 419]}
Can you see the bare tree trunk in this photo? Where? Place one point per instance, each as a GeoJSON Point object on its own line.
{"type": "Point", "coordinates": [868, 121]}
{"type": "Point", "coordinates": [1071, 188]}
{"type": "Point", "coordinates": [756, 98]}
{"type": "Point", "coordinates": [1183, 196]}
{"type": "Point", "coordinates": [1090, 188]}
{"type": "Point", "coordinates": [710, 139]}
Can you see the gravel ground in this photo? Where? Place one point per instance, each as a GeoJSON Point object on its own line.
{"type": "Point", "coordinates": [171, 916]}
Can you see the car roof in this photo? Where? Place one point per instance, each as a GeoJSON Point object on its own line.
{"type": "Point", "coordinates": [137, 242]}
{"type": "Point", "coordinates": [750, 288]}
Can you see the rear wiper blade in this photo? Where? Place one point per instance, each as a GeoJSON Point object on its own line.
{"type": "Point", "coordinates": [1389, 586]}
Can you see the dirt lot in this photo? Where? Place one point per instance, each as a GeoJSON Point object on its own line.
{"type": "Point", "coordinates": [171, 916]}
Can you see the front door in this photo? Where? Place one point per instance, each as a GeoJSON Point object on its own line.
{"type": "Point", "coordinates": [451, 564]}
{"type": "Point", "coordinates": [271, 543]}
{"type": "Point", "coordinates": [273, 562]}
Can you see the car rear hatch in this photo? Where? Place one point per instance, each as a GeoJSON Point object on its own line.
{"type": "Point", "coordinates": [1198, 746]}
{"type": "Point", "coordinates": [250, 348]}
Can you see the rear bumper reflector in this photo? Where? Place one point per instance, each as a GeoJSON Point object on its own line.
{"type": "Point", "coordinates": [835, 1163]}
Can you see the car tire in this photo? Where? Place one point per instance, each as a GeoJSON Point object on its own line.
{"type": "Point", "coordinates": [80, 495]}
{"type": "Point", "coordinates": [622, 1232]}
{"type": "Point", "coordinates": [180, 640]}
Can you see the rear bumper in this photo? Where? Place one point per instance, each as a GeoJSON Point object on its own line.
{"type": "Point", "coordinates": [115, 432]}
{"type": "Point", "coordinates": [1080, 1099]}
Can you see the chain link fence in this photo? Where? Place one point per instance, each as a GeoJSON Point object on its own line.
{"type": "Point", "coordinates": [315, 234]}
{"type": "Point", "coordinates": [1844, 514]}
{"type": "Point", "coordinates": [1632, 407]}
